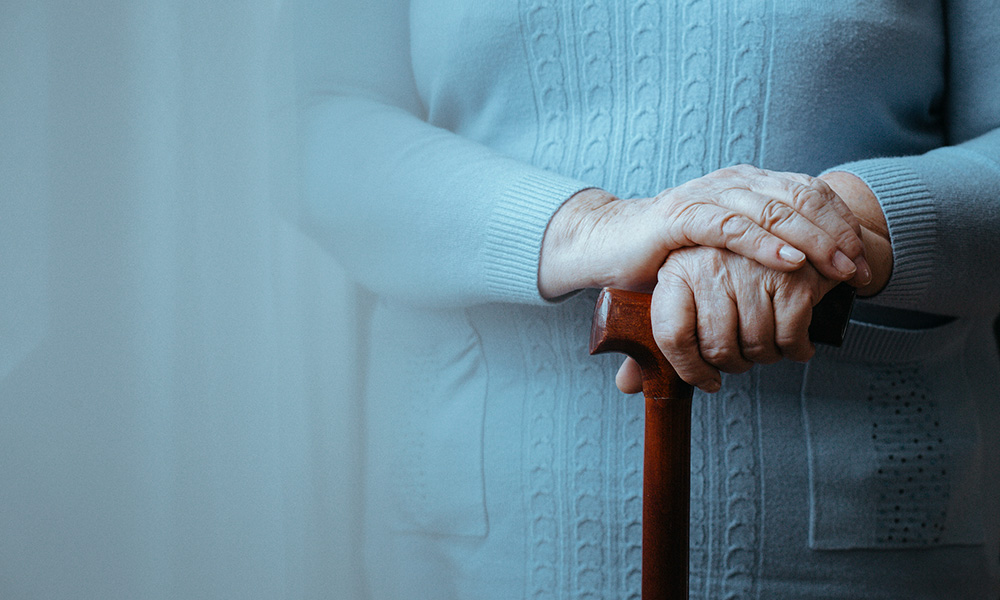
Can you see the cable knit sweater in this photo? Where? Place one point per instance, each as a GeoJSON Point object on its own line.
{"type": "Point", "coordinates": [439, 138]}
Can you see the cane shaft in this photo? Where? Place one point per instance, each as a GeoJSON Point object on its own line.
{"type": "Point", "coordinates": [666, 499]}
{"type": "Point", "coordinates": [621, 324]}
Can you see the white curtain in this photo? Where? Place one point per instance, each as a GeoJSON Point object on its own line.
{"type": "Point", "coordinates": [178, 364]}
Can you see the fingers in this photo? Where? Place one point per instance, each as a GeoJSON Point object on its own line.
{"type": "Point", "coordinates": [718, 326]}
{"type": "Point", "coordinates": [792, 314]}
{"type": "Point", "coordinates": [708, 224]}
{"type": "Point", "coordinates": [757, 328]}
{"type": "Point", "coordinates": [675, 328]}
{"type": "Point", "coordinates": [806, 212]}
{"type": "Point", "coordinates": [715, 311]}
{"type": "Point", "coordinates": [777, 219]}
{"type": "Point", "coordinates": [824, 188]}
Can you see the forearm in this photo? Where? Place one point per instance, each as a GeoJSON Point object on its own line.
{"type": "Point", "coordinates": [420, 214]}
{"type": "Point", "coordinates": [412, 211]}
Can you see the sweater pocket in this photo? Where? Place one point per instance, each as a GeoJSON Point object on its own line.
{"type": "Point", "coordinates": [895, 453]}
{"type": "Point", "coordinates": [426, 401]}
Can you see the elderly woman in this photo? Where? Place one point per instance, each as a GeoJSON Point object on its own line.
{"type": "Point", "coordinates": [477, 164]}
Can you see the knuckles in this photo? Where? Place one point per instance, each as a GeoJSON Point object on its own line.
{"type": "Point", "coordinates": [735, 228]}
{"type": "Point", "coordinates": [673, 338]}
{"type": "Point", "coordinates": [808, 198]}
{"type": "Point", "coordinates": [761, 353]}
{"type": "Point", "coordinates": [775, 214]}
{"type": "Point", "coordinates": [726, 358]}
{"type": "Point", "coordinates": [796, 348]}
{"type": "Point", "coordinates": [718, 354]}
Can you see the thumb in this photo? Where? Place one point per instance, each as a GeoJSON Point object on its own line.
{"type": "Point", "coordinates": [629, 377]}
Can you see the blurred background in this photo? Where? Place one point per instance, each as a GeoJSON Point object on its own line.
{"type": "Point", "coordinates": [177, 361]}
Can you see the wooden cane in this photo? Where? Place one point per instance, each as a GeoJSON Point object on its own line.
{"type": "Point", "coordinates": [622, 324]}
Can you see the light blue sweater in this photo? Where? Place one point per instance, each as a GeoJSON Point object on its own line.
{"type": "Point", "coordinates": [441, 135]}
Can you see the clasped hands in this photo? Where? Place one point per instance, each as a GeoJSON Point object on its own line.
{"type": "Point", "coordinates": [735, 261]}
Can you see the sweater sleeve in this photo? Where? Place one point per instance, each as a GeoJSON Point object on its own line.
{"type": "Point", "coordinates": [943, 207]}
{"type": "Point", "coordinates": [412, 211]}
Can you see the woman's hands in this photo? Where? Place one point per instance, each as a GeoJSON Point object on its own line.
{"type": "Point", "coordinates": [779, 220]}
{"type": "Point", "coordinates": [735, 259]}
{"type": "Point", "coordinates": [713, 311]}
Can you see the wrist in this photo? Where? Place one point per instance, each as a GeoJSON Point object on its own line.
{"type": "Point", "coordinates": [563, 263]}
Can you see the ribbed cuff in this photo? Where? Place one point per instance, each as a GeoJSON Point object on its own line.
{"type": "Point", "coordinates": [515, 231]}
{"type": "Point", "coordinates": [911, 214]}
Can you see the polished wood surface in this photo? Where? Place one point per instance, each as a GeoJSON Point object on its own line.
{"type": "Point", "coordinates": [621, 324]}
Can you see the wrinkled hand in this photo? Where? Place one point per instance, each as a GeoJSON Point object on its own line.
{"type": "Point", "coordinates": [780, 220]}
{"type": "Point", "coordinates": [713, 310]}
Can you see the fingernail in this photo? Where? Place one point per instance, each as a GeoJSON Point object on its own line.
{"type": "Point", "coordinates": [792, 255]}
{"type": "Point", "coordinates": [843, 264]}
{"type": "Point", "coordinates": [864, 271]}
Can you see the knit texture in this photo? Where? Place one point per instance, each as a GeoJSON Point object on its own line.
{"type": "Point", "coordinates": [441, 137]}
{"type": "Point", "coordinates": [726, 490]}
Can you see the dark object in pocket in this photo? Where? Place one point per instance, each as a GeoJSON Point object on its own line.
{"type": "Point", "coordinates": [996, 331]}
